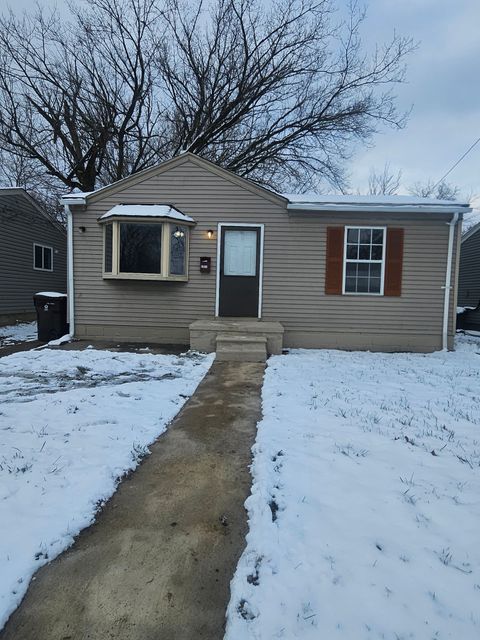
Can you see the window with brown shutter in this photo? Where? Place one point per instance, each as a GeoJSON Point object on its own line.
{"type": "Point", "coordinates": [394, 262]}
{"type": "Point", "coordinates": [334, 260]}
{"type": "Point", "coordinates": [364, 261]}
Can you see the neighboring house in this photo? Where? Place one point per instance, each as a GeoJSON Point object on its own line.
{"type": "Point", "coordinates": [469, 273]}
{"type": "Point", "coordinates": [33, 254]}
{"type": "Point", "coordinates": [173, 253]}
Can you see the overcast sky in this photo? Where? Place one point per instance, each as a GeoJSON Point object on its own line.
{"type": "Point", "coordinates": [443, 86]}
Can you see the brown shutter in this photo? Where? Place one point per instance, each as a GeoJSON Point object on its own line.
{"type": "Point", "coordinates": [334, 260]}
{"type": "Point", "coordinates": [394, 263]}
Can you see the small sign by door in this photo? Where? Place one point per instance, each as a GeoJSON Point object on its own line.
{"type": "Point", "coordinates": [239, 272]}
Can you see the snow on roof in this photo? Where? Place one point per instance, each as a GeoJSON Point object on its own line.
{"type": "Point", "coordinates": [321, 202]}
{"type": "Point", "coordinates": [78, 194]}
{"type": "Point", "coordinates": [347, 199]}
{"type": "Point", "coordinates": [471, 220]}
{"type": "Point", "coordinates": [146, 211]}
{"type": "Point", "coordinates": [51, 294]}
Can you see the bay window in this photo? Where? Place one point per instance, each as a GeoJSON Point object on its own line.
{"type": "Point", "coordinates": [145, 250]}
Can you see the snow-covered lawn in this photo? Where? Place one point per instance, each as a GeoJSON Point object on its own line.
{"type": "Point", "coordinates": [21, 332]}
{"type": "Point", "coordinates": [71, 424]}
{"type": "Point", "coordinates": [365, 507]}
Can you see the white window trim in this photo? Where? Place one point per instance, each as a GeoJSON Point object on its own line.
{"type": "Point", "coordinates": [382, 261]}
{"type": "Point", "coordinates": [116, 274]}
{"type": "Point", "coordinates": [43, 246]}
{"type": "Point", "coordinates": [219, 257]}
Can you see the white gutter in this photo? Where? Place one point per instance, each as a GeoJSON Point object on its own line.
{"type": "Point", "coordinates": [73, 200]}
{"type": "Point", "coordinates": [70, 287]}
{"type": "Point", "coordinates": [448, 280]}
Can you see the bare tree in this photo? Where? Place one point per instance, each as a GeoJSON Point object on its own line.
{"type": "Point", "coordinates": [384, 182]}
{"type": "Point", "coordinates": [275, 93]}
{"type": "Point", "coordinates": [77, 98]}
{"type": "Point", "coordinates": [20, 171]}
{"type": "Point", "coordinates": [442, 191]}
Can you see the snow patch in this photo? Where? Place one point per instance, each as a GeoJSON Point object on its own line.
{"type": "Point", "coordinates": [365, 506]}
{"type": "Point", "coordinates": [21, 332]}
{"type": "Point", "coordinates": [63, 340]}
{"type": "Point", "coordinates": [72, 423]}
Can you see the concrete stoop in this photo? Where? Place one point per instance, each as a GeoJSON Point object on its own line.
{"type": "Point", "coordinates": [237, 339]}
{"type": "Point", "coordinates": [241, 348]}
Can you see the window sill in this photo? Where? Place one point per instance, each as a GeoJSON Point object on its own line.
{"type": "Point", "coordinates": [355, 293]}
{"type": "Point", "coordinates": [144, 276]}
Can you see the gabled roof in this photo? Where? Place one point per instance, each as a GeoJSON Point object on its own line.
{"type": "Point", "coordinates": [295, 203]}
{"type": "Point", "coordinates": [7, 192]}
{"type": "Point", "coordinates": [82, 198]}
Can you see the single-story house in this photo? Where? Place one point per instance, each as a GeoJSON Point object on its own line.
{"type": "Point", "coordinates": [189, 252]}
{"type": "Point", "coordinates": [33, 254]}
{"type": "Point", "coordinates": [469, 272]}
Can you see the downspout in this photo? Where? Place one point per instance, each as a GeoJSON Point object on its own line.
{"type": "Point", "coordinates": [70, 287]}
{"type": "Point", "coordinates": [448, 280]}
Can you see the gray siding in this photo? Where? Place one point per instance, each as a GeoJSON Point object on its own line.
{"type": "Point", "coordinates": [22, 225]}
{"type": "Point", "coordinates": [469, 274]}
{"type": "Point", "coordinates": [293, 277]}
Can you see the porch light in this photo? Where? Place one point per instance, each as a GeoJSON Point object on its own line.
{"type": "Point", "coordinates": [210, 234]}
{"type": "Point", "coordinates": [178, 233]}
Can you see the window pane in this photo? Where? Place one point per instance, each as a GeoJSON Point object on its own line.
{"type": "Point", "coordinates": [362, 285]}
{"type": "Point", "coordinates": [363, 269]}
{"type": "Point", "coordinates": [38, 262]}
{"type": "Point", "coordinates": [352, 251]}
{"type": "Point", "coordinates": [47, 258]}
{"type": "Point", "coordinates": [364, 253]}
{"type": "Point", "coordinates": [350, 285]}
{"type": "Point", "coordinates": [108, 248]}
{"type": "Point", "coordinates": [365, 236]}
{"type": "Point", "coordinates": [374, 285]}
{"type": "Point", "coordinates": [351, 269]}
{"type": "Point", "coordinates": [140, 248]}
{"type": "Point", "coordinates": [377, 251]}
{"type": "Point", "coordinates": [352, 236]}
{"type": "Point", "coordinates": [178, 245]}
{"type": "Point", "coordinates": [377, 236]}
{"type": "Point", "coordinates": [375, 270]}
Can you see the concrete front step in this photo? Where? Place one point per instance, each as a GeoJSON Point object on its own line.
{"type": "Point", "coordinates": [203, 333]}
{"type": "Point", "coordinates": [241, 348]}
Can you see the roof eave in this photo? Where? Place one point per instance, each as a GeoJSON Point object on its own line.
{"type": "Point", "coordinates": [72, 201]}
{"type": "Point", "coordinates": [298, 208]}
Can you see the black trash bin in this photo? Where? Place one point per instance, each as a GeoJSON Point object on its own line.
{"type": "Point", "coordinates": [51, 308]}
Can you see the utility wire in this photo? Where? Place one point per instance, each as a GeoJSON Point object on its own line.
{"type": "Point", "coordinates": [457, 163]}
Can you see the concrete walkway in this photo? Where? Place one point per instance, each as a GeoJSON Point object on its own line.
{"type": "Point", "coordinates": [158, 562]}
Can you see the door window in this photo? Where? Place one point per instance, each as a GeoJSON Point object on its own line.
{"type": "Point", "coordinates": [240, 253]}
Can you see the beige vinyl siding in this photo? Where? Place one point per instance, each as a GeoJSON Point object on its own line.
{"type": "Point", "coordinates": [22, 225]}
{"type": "Point", "coordinates": [293, 275]}
{"type": "Point", "coordinates": [469, 275]}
